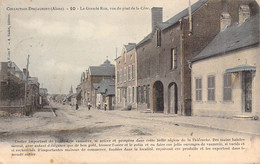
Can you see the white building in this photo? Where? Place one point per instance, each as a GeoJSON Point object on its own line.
{"type": "Point", "coordinates": [225, 75]}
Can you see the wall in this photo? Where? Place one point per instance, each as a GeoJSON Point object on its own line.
{"type": "Point", "coordinates": [154, 64]}
{"type": "Point", "coordinates": [122, 63]}
{"type": "Point", "coordinates": [217, 67]}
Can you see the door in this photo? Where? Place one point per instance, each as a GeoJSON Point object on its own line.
{"type": "Point", "coordinates": [148, 96]}
{"type": "Point", "coordinates": [248, 91]}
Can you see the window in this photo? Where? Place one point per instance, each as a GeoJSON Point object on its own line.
{"type": "Point", "coordinates": [158, 33]}
{"type": "Point", "coordinates": [142, 94]}
{"type": "Point", "coordinates": [129, 95]}
{"type": "Point", "coordinates": [120, 76]}
{"type": "Point", "coordinates": [133, 94]}
{"type": "Point", "coordinates": [139, 94]}
{"type": "Point", "coordinates": [129, 73]}
{"type": "Point", "coordinates": [227, 87]}
{"type": "Point", "coordinates": [173, 59]}
{"type": "Point", "coordinates": [211, 88]}
{"type": "Point", "coordinates": [148, 95]}
{"type": "Point", "coordinates": [118, 95]}
{"type": "Point", "coordinates": [144, 99]}
{"type": "Point", "coordinates": [125, 74]}
{"type": "Point", "coordinates": [133, 71]}
{"type": "Point", "coordinates": [121, 95]}
{"type": "Point", "coordinates": [198, 89]}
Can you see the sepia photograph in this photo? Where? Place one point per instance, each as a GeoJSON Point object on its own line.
{"type": "Point", "coordinates": [130, 81]}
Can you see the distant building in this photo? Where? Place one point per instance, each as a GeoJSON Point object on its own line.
{"type": "Point", "coordinates": [94, 75]}
{"type": "Point", "coordinates": [43, 92]}
{"type": "Point", "coordinates": [76, 97]}
{"type": "Point", "coordinates": [126, 80]}
{"type": "Point", "coordinates": [69, 99]}
{"type": "Point", "coordinates": [33, 95]}
{"type": "Point", "coordinates": [226, 75]}
{"type": "Point", "coordinates": [105, 93]}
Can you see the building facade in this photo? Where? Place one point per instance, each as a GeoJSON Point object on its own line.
{"type": "Point", "coordinates": [93, 76]}
{"type": "Point", "coordinates": [12, 89]}
{"type": "Point", "coordinates": [229, 86]}
{"type": "Point", "coordinates": [163, 56]}
{"type": "Point", "coordinates": [126, 80]}
{"type": "Point", "coordinates": [105, 94]}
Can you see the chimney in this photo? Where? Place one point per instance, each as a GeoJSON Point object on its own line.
{"type": "Point", "coordinates": [225, 21]}
{"type": "Point", "coordinates": [156, 16]}
{"type": "Point", "coordinates": [24, 72]}
{"type": "Point", "coordinates": [244, 13]}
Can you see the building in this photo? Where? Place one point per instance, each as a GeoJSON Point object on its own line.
{"type": "Point", "coordinates": [163, 56]}
{"type": "Point", "coordinates": [94, 75]}
{"type": "Point", "coordinates": [33, 95]}
{"type": "Point", "coordinates": [69, 100]}
{"type": "Point", "coordinates": [226, 75]}
{"type": "Point", "coordinates": [12, 83]}
{"type": "Point", "coordinates": [43, 100]}
{"type": "Point", "coordinates": [76, 97]}
{"type": "Point", "coordinates": [105, 94]}
{"type": "Point", "coordinates": [12, 89]}
{"type": "Point", "coordinates": [126, 80]}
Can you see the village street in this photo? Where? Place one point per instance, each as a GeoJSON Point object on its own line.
{"type": "Point", "coordinates": [99, 124]}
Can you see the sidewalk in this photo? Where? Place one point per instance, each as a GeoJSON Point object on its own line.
{"type": "Point", "coordinates": [246, 126]}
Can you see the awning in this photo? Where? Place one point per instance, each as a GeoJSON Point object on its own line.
{"type": "Point", "coordinates": [241, 68]}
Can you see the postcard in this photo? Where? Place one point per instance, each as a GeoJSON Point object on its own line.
{"type": "Point", "coordinates": [129, 81]}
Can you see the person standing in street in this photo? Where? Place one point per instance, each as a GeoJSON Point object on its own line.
{"type": "Point", "coordinates": [105, 106]}
{"type": "Point", "coordinates": [89, 106]}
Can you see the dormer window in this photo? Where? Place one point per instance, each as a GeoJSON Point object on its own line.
{"type": "Point", "coordinates": [225, 21]}
{"type": "Point", "coordinates": [244, 13]}
{"type": "Point", "coordinates": [158, 34]}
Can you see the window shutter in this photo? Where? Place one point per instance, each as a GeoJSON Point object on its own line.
{"type": "Point", "coordinates": [175, 59]}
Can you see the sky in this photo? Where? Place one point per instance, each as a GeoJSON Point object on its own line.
{"type": "Point", "coordinates": [64, 43]}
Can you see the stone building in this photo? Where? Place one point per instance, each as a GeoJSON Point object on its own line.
{"type": "Point", "coordinates": [93, 76]}
{"type": "Point", "coordinates": [33, 95]}
{"type": "Point", "coordinates": [12, 82]}
{"type": "Point", "coordinates": [105, 94]}
{"type": "Point", "coordinates": [43, 92]}
{"type": "Point", "coordinates": [126, 80]}
{"type": "Point", "coordinates": [12, 89]}
{"type": "Point", "coordinates": [163, 56]}
{"type": "Point", "coordinates": [229, 86]}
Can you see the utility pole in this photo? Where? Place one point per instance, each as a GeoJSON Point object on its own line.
{"type": "Point", "coordinates": [26, 83]}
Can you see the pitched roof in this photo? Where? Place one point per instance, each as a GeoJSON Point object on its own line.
{"type": "Point", "coordinates": [105, 69]}
{"type": "Point", "coordinates": [182, 14]}
{"type": "Point", "coordinates": [16, 68]}
{"type": "Point", "coordinates": [232, 38]}
{"type": "Point", "coordinates": [149, 36]}
{"type": "Point", "coordinates": [106, 87]}
{"type": "Point", "coordinates": [175, 19]}
{"type": "Point", "coordinates": [129, 46]}
{"type": "Point", "coordinates": [102, 71]}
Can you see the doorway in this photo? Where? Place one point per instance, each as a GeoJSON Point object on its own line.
{"type": "Point", "coordinates": [173, 98]}
{"type": "Point", "coordinates": [158, 101]}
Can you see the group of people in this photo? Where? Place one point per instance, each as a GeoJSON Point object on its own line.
{"type": "Point", "coordinates": [89, 106]}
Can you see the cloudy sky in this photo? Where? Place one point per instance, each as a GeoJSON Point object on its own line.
{"type": "Point", "coordinates": [62, 44]}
